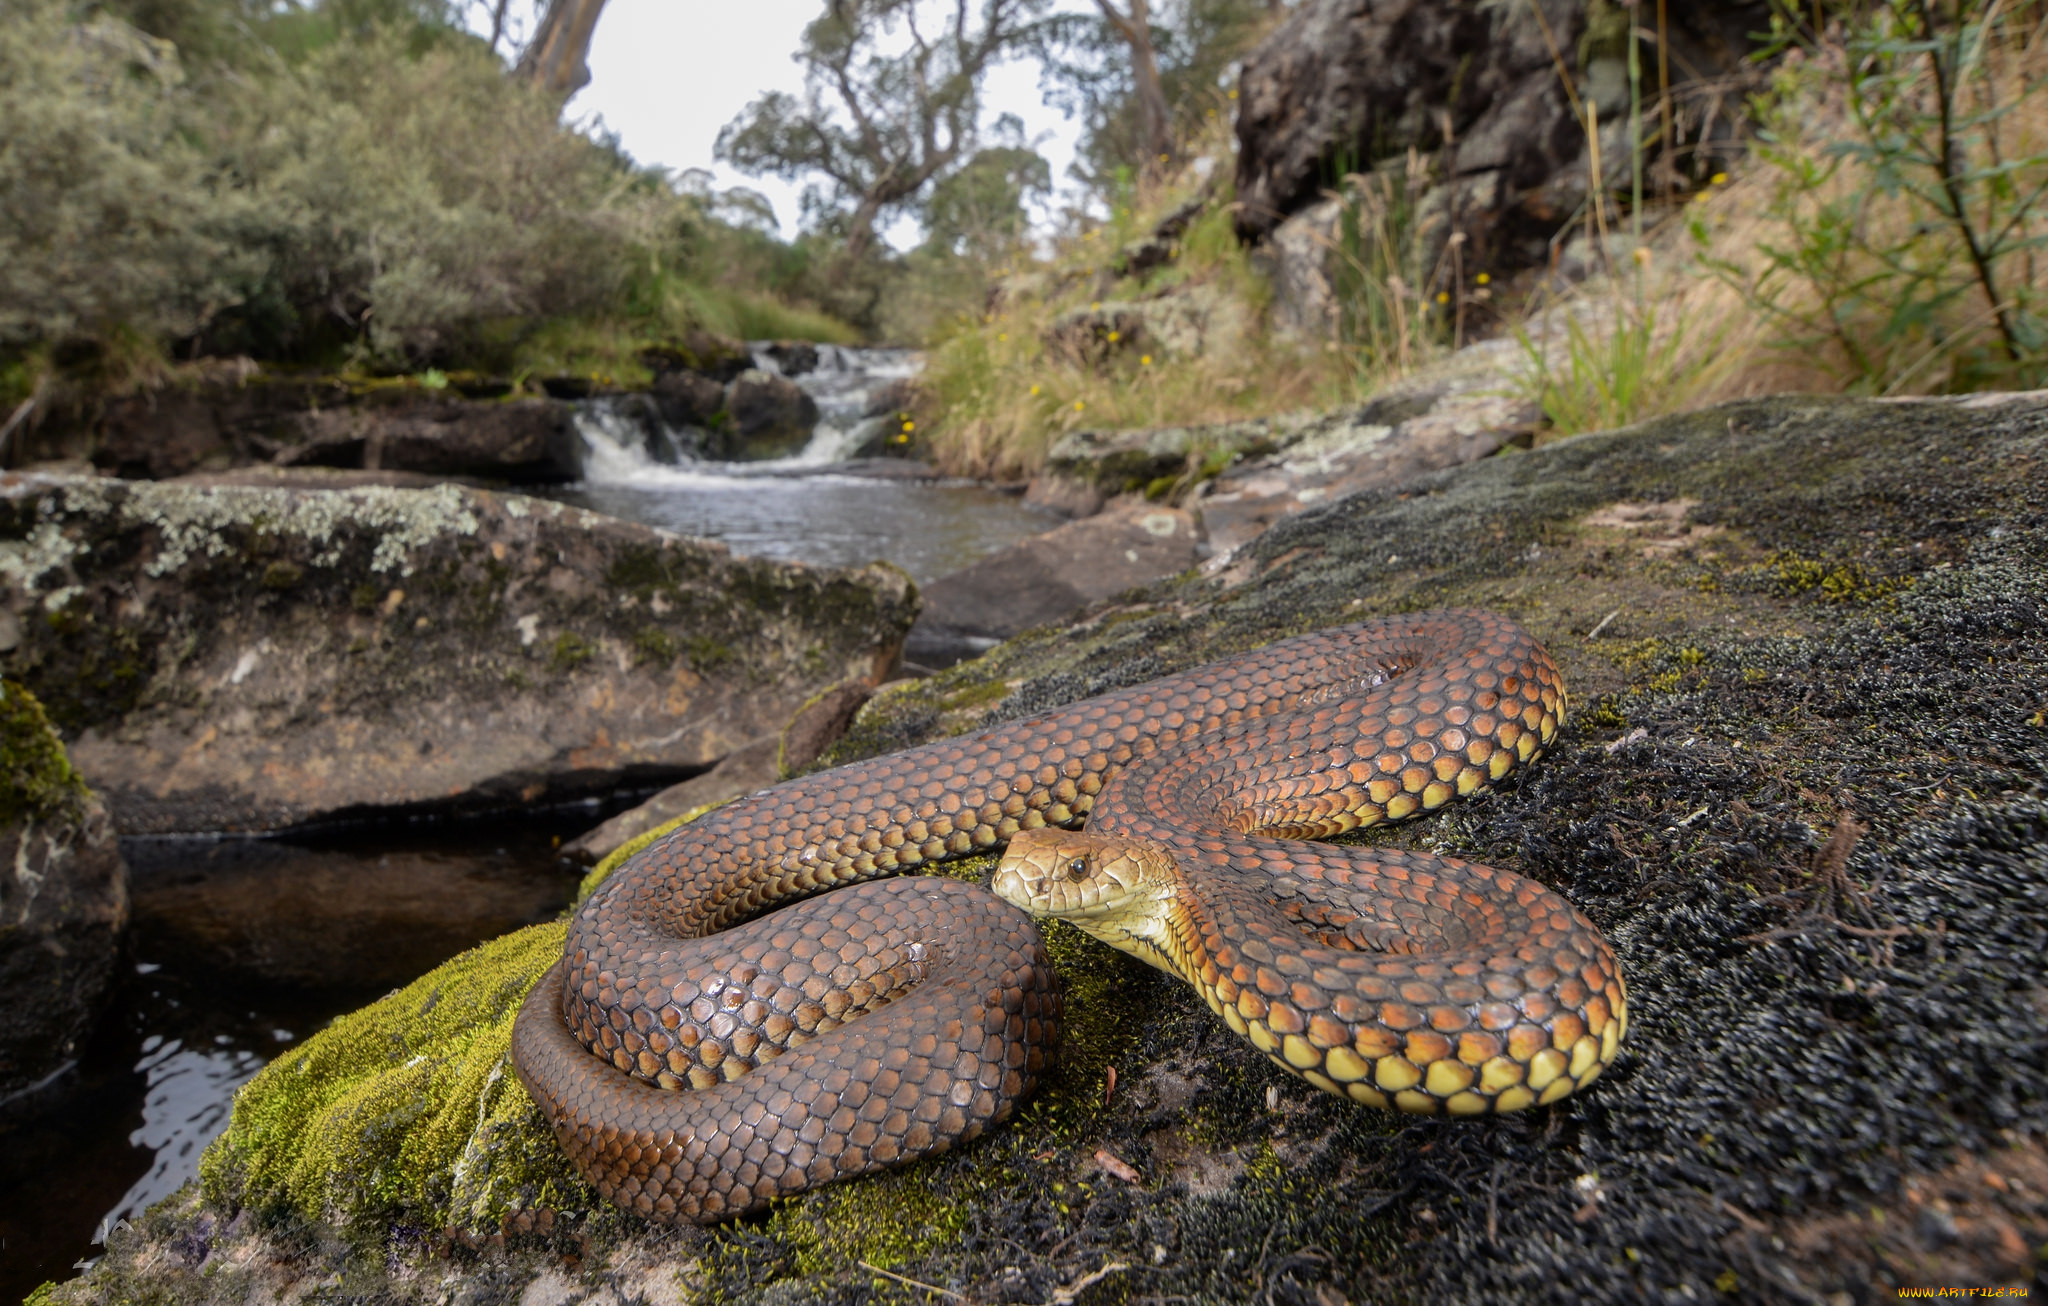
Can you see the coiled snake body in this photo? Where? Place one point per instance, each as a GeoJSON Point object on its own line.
{"type": "Point", "coordinates": [887, 1021]}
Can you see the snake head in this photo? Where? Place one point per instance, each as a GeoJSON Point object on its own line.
{"type": "Point", "coordinates": [1119, 891]}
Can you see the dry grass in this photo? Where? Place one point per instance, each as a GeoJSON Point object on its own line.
{"type": "Point", "coordinates": [1001, 388]}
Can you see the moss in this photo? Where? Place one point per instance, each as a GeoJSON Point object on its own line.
{"type": "Point", "coordinates": [707, 654]}
{"type": "Point", "coordinates": [655, 645]}
{"type": "Point", "coordinates": [408, 1104]}
{"type": "Point", "coordinates": [41, 785]}
{"type": "Point", "coordinates": [365, 597]}
{"type": "Point", "coordinates": [570, 650]}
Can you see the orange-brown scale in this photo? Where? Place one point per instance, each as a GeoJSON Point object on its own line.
{"type": "Point", "coordinates": [657, 992]}
{"type": "Point", "coordinates": [1398, 979]}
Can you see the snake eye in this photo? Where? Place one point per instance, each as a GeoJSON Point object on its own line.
{"type": "Point", "coordinates": [1078, 869]}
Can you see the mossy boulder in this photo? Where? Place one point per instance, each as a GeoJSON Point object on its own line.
{"type": "Point", "coordinates": [1804, 791]}
{"type": "Point", "coordinates": [244, 657]}
{"type": "Point", "coordinates": [63, 898]}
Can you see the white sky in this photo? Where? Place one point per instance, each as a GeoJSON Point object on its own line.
{"type": "Point", "coordinates": [667, 75]}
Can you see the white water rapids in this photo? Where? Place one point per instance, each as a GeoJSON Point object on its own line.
{"type": "Point", "coordinates": [825, 504]}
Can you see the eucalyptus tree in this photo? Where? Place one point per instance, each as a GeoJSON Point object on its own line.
{"type": "Point", "coordinates": [891, 104]}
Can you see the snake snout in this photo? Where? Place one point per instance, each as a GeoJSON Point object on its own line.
{"type": "Point", "coordinates": [1075, 876]}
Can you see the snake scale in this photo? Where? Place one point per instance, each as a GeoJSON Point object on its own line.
{"type": "Point", "coordinates": [893, 1019]}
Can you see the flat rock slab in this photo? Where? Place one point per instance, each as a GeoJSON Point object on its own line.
{"type": "Point", "coordinates": [1051, 576]}
{"type": "Point", "coordinates": [1840, 627]}
{"type": "Point", "coordinates": [242, 658]}
{"type": "Point", "coordinates": [1241, 477]}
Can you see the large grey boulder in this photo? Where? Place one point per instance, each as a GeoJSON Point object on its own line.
{"type": "Point", "coordinates": [63, 898]}
{"type": "Point", "coordinates": [247, 658]}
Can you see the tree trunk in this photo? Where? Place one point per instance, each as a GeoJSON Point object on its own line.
{"type": "Point", "coordinates": [1156, 126]}
{"type": "Point", "coordinates": [556, 60]}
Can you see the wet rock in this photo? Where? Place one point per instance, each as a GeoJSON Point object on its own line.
{"type": "Point", "coordinates": [1814, 1044]}
{"type": "Point", "coordinates": [688, 398]}
{"type": "Point", "coordinates": [792, 357]}
{"type": "Point", "coordinates": [1049, 577]}
{"type": "Point", "coordinates": [63, 898]}
{"type": "Point", "coordinates": [719, 357]}
{"type": "Point", "coordinates": [528, 440]}
{"type": "Point", "coordinates": [241, 658]}
{"type": "Point", "coordinates": [1342, 84]}
{"type": "Point", "coordinates": [767, 416]}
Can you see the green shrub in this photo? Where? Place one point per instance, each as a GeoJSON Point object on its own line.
{"type": "Point", "coordinates": [109, 216]}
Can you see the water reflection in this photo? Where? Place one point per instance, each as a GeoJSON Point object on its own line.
{"type": "Point", "coordinates": [186, 1108]}
{"type": "Point", "coordinates": [247, 947]}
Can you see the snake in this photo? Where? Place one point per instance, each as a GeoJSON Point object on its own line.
{"type": "Point", "coordinates": [756, 1004]}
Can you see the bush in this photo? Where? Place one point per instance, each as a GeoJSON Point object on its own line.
{"type": "Point", "coordinates": [1904, 160]}
{"type": "Point", "coordinates": [338, 187]}
{"type": "Point", "coordinates": [109, 217]}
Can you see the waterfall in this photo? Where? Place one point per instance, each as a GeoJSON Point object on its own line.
{"type": "Point", "coordinates": [627, 442]}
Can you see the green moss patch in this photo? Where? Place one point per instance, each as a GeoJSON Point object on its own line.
{"type": "Point", "coordinates": [39, 783]}
{"type": "Point", "coordinates": [406, 1106]}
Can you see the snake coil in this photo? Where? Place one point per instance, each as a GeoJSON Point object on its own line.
{"type": "Point", "coordinates": [866, 1027]}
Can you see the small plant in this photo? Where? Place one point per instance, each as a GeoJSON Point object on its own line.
{"type": "Point", "coordinates": [1384, 272]}
{"type": "Point", "coordinates": [1908, 244]}
{"type": "Point", "coordinates": [1603, 381]}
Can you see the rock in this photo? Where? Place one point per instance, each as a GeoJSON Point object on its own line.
{"type": "Point", "coordinates": [1162, 246]}
{"type": "Point", "coordinates": [248, 659]}
{"type": "Point", "coordinates": [817, 725]}
{"type": "Point", "coordinates": [1343, 83]}
{"type": "Point", "coordinates": [1063, 495]}
{"type": "Point", "coordinates": [742, 771]}
{"type": "Point", "coordinates": [1848, 623]}
{"type": "Point", "coordinates": [1049, 577]}
{"type": "Point", "coordinates": [688, 398]}
{"type": "Point", "coordinates": [1244, 476]}
{"type": "Point", "coordinates": [222, 418]}
{"type": "Point", "coordinates": [63, 899]}
{"type": "Point", "coordinates": [1183, 323]}
{"type": "Point", "coordinates": [768, 416]}
{"type": "Point", "coordinates": [1303, 259]}
{"type": "Point", "coordinates": [1462, 410]}
{"type": "Point", "coordinates": [892, 398]}
{"type": "Point", "coordinates": [526, 440]}
{"type": "Point", "coordinates": [792, 357]}
{"type": "Point", "coordinates": [719, 357]}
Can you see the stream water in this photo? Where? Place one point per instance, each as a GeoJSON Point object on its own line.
{"type": "Point", "coordinates": [243, 947]}
{"type": "Point", "coordinates": [824, 504]}
{"type": "Point", "coordinates": [240, 949]}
